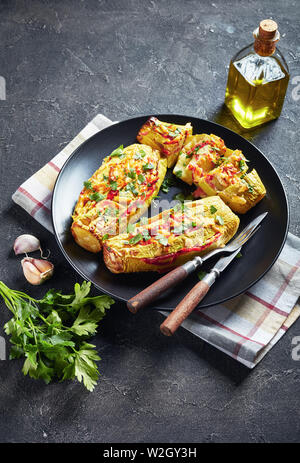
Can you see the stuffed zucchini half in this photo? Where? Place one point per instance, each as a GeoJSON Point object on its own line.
{"type": "Point", "coordinates": [214, 169]}
{"type": "Point", "coordinates": [165, 137]}
{"type": "Point", "coordinates": [118, 193]}
{"type": "Point", "coordinates": [172, 237]}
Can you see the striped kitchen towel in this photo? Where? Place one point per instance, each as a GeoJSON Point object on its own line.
{"type": "Point", "coordinates": [246, 327]}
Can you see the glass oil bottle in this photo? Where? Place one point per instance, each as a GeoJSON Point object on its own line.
{"type": "Point", "coordinates": [258, 78]}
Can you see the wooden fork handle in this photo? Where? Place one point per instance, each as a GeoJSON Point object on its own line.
{"type": "Point", "coordinates": [187, 305]}
{"type": "Point", "coordinates": [157, 288]}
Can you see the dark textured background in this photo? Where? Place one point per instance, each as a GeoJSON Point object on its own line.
{"type": "Point", "coordinates": [64, 62]}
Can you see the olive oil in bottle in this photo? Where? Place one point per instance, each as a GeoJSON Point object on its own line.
{"type": "Point", "coordinates": [258, 78]}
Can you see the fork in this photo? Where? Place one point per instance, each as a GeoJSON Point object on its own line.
{"type": "Point", "coordinates": [171, 279]}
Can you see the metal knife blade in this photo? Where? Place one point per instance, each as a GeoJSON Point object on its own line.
{"type": "Point", "coordinates": [258, 219]}
{"type": "Point", "coordinates": [223, 262]}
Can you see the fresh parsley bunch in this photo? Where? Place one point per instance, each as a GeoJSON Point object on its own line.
{"type": "Point", "coordinates": [52, 333]}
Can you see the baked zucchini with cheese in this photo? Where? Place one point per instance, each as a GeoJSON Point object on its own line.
{"type": "Point", "coordinates": [118, 193]}
{"type": "Point", "coordinates": [172, 237]}
{"type": "Point", "coordinates": [245, 193]}
{"type": "Point", "coordinates": [214, 169]}
{"type": "Point", "coordinates": [226, 174]}
{"type": "Point", "coordinates": [199, 156]}
{"type": "Point", "coordinates": [165, 137]}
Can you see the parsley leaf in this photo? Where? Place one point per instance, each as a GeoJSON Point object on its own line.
{"type": "Point", "coordinates": [51, 333]}
{"type": "Point", "coordinates": [213, 209]}
{"type": "Point", "coordinates": [131, 173]}
{"type": "Point", "coordinates": [180, 197]}
{"type": "Point", "coordinates": [162, 240]}
{"type": "Point", "coordinates": [141, 178]}
{"type": "Point", "coordinates": [118, 152]}
{"type": "Point", "coordinates": [242, 165]}
{"type": "Point", "coordinates": [96, 196]}
{"type": "Point", "coordinates": [130, 228]}
{"type": "Point", "coordinates": [88, 185]}
{"type": "Point", "coordinates": [113, 185]}
{"type": "Point", "coordinates": [201, 274]}
{"type": "Point", "coordinates": [219, 220]}
{"type": "Point", "coordinates": [136, 239]}
{"type": "Point", "coordinates": [148, 166]}
{"type": "Point", "coordinates": [178, 173]}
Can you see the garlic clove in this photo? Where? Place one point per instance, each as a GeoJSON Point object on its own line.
{"type": "Point", "coordinates": [36, 271]}
{"type": "Point", "coordinates": [26, 243]}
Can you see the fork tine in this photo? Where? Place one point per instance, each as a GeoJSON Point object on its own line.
{"type": "Point", "coordinates": [250, 235]}
{"type": "Point", "coordinates": [242, 235]}
{"type": "Point", "coordinates": [243, 232]}
{"type": "Point", "coordinates": [246, 234]}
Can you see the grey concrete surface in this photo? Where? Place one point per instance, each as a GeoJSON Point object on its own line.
{"type": "Point", "coordinates": [64, 62]}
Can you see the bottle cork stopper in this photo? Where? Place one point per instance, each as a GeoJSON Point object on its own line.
{"type": "Point", "coordinates": [267, 29]}
{"type": "Point", "coordinates": [266, 36]}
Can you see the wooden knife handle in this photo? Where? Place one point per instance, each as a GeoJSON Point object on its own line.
{"type": "Point", "coordinates": [157, 288]}
{"type": "Point", "coordinates": [184, 308]}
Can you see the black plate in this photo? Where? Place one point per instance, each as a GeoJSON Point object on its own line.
{"type": "Point", "coordinates": [259, 254]}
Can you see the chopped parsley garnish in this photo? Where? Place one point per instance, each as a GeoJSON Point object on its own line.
{"type": "Point", "coordinates": [213, 209]}
{"type": "Point", "coordinates": [105, 237]}
{"type": "Point", "coordinates": [242, 165]}
{"type": "Point", "coordinates": [175, 133]}
{"type": "Point", "coordinates": [136, 239]}
{"type": "Point", "coordinates": [131, 187]}
{"type": "Point", "coordinates": [180, 197]}
{"type": "Point", "coordinates": [148, 166]}
{"type": "Point", "coordinates": [118, 152]}
{"type": "Point", "coordinates": [178, 173]}
{"type": "Point", "coordinates": [131, 173]}
{"type": "Point", "coordinates": [194, 224]}
{"type": "Point", "coordinates": [219, 219]}
{"type": "Point", "coordinates": [141, 178]}
{"type": "Point", "coordinates": [146, 235]}
{"type": "Point", "coordinates": [162, 240]}
{"type": "Point", "coordinates": [201, 274]}
{"type": "Point", "coordinates": [250, 188]}
{"type": "Point", "coordinates": [96, 196]}
{"type": "Point", "coordinates": [167, 183]}
{"type": "Point", "coordinates": [130, 228]}
{"type": "Point", "coordinates": [239, 255]}
{"type": "Point", "coordinates": [88, 185]}
{"type": "Point", "coordinates": [113, 185]}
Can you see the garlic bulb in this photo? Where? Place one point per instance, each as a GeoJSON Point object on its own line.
{"type": "Point", "coordinates": [26, 243]}
{"type": "Point", "coordinates": [36, 271]}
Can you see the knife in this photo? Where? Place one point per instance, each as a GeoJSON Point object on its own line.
{"type": "Point", "coordinates": [192, 299]}
{"type": "Point", "coordinates": [176, 276]}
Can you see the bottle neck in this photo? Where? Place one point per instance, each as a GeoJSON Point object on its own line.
{"type": "Point", "coordinates": [264, 46]}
